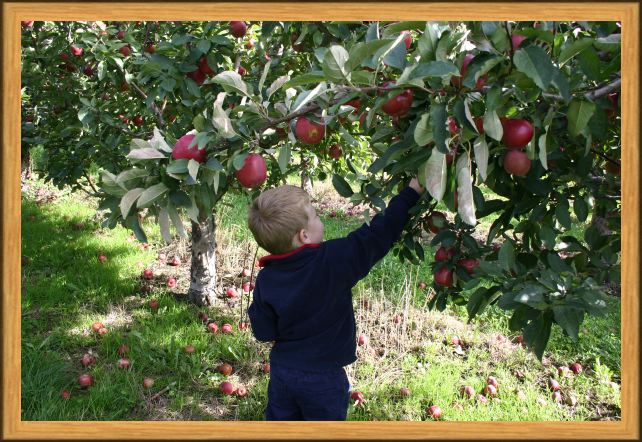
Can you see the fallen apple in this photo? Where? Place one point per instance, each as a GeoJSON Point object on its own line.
{"type": "Point", "coordinates": [434, 411]}
{"type": "Point", "coordinates": [148, 274]}
{"type": "Point", "coordinates": [189, 348]}
{"type": "Point", "coordinates": [124, 363]}
{"type": "Point", "coordinates": [490, 390]}
{"type": "Point", "coordinates": [171, 282]}
{"type": "Point", "coordinates": [153, 304]}
{"type": "Point", "coordinates": [575, 367]}
{"type": "Point", "coordinates": [226, 388]}
{"type": "Point", "coordinates": [87, 360]}
{"type": "Point", "coordinates": [467, 391]}
{"type": "Point", "coordinates": [241, 391]}
{"type": "Point", "coordinates": [405, 392]}
{"type": "Point", "coordinates": [85, 380]}
{"type": "Point", "coordinates": [66, 394]}
{"type": "Point", "coordinates": [212, 327]}
{"type": "Point", "coordinates": [148, 382]}
{"type": "Point", "coordinates": [97, 326]}
{"type": "Point", "coordinates": [122, 349]}
{"type": "Point", "coordinates": [492, 380]}
{"type": "Point", "coordinates": [226, 328]}
{"type": "Point", "coordinates": [225, 369]}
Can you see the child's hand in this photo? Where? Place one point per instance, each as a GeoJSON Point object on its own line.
{"type": "Point", "coordinates": [414, 184]}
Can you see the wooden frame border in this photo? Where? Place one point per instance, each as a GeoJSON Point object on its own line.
{"type": "Point", "coordinates": [12, 426]}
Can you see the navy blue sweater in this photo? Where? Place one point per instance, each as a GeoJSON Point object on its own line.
{"type": "Point", "coordinates": [303, 299]}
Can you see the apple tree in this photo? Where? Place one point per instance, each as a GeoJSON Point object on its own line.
{"type": "Point", "coordinates": [177, 114]}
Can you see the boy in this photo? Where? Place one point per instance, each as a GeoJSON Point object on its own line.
{"type": "Point", "coordinates": [303, 298]}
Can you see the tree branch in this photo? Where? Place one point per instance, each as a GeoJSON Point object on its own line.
{"type": "Point", "coordinates": [605, 157]}
{"type": "Point", "coordinates": [91, 183]}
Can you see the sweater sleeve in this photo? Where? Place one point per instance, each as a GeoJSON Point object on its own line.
{"type": "Point", "coordinates": [263, 319]}
{"type": "Point", "coordinates": [352, 257]}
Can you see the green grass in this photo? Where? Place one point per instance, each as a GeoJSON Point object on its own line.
{"type": "Point", "coordinates": [65, 289]}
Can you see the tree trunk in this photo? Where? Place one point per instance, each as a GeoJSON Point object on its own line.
{"type": "Point", "coordinates": [203, 271]}
{"type": "Point", "coordinates": [25, 167]}
{"type": "Point", "coordinates": [306, 183]}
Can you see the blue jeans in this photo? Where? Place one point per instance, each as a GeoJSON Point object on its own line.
{"type": "Point", "coordinates": [295, 395]}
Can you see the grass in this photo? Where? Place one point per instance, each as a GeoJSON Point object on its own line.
{"type": "Point", "coordinates": [65, 289]}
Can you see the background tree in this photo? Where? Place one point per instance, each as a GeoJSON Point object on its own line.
{"type": "Point", "coordinates": [527, 110]}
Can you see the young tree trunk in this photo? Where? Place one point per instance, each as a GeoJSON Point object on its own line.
{"type": "Point", "coordinates": [203, 271]}
{"type": "Point", "coordinates": [25, 167]}
{"type": "Point", "coordinates": [306, 183]}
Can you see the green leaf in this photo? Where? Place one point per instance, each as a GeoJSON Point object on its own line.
{"type": "Point", "coordinates": [609, 43]}
{"type": "Point", "coordinates": [562, 212]}
{"type": "Point", "coordinates": [232, 82]}
{"type": "Point", "coordinates": [168, 84]}
{"type": "Point", "coordinates": [149, 196]}
{"type": "Point", "coordinates": [557, 264]}
{"type": "Point", "coordinates": [537, 333]}
{"type": "Point", "coordinates": [192, 168]}
{"type": "Point", "coordinates": [128, 201]}
{"type": "Point", "coordinates": [481, 156]}
{"type": "Point", "coordinates": [435, 173]}
{"type": "Point", "coordinates": [438, 122]}
{"type": "Point", "coordinates": [284, 158]}
{"type": "Point", "coordinates": [541, 143]}
{"type": "Point", "coordinates": [176, 219]}
{"type": "Point", "coordinates": [102, 70]}
{"type": "Point", "coordinates": [423, 131]}
{"type": "Point", "coordinates": [109, 184]}
{"type": "Point", "coordinates": [158, 142]}
{"type": "Point", "coordinates": [547, 236]}
{"type": "Point", "coordinates": [145, 154]}
{"type": "Point", "coordinates": [276, 85]}
{"type": "Point", "coordinates": [507, 256]}
{"type": "Point", "coordinates": [579, 114]}
{"type": "Point", "coordinates": [222, 121]}
{"type": "Point", "coordinates": [163, 222]}
{"type": "Point", "coordinates": [532, 295]}
{"type": "Point", "coordinates": [466, 205]}
{"type": "Point", "coordinates": [434, 69]}
{"type": "Point", "coordinates": [477, 69]}
{"type": "Point", "coordinates": [569, 318]}
{"type": "Point", "coordinates": [239, 161]}
{"type": "Point", "coordinates": [536, 64]}
{"type": "Point", "coordinates": [581, 208]}
{"type": "Point", "coordinates": [493, 126]}
{"type": "Point", "coordinates": [362, 51]}
{"type": "Point", "coordinates": [341, 186]}
{"type": "Point", "coordinates": [130, 177]}
{"type": "Point", "coordinates": [203, 46]}
{"type": "Point", "coordinates": [334, 63]}
{"type": "Point", "coordinates": [177, 166]}
{"type": "Point", "coordinates": [213, 164]}
{"type": "Point", "coordinates": [307, 78]}
{"type": "Point", "coordinates": [571, 50]}
{"type": "Point", "coordinates": [308, 96]}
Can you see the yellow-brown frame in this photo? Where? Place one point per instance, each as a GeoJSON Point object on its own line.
{"type": "Point", "coordinates": [14, 428]}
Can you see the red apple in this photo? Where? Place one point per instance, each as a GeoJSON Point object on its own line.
{"type": "Point", "coordinates": [479, 124]}
{"type": "Point", "coordinates": [181, 149]}
{"type": "Point", "coordinates": [467, 391]}
{"type": "Point", "coordinates": [520, 339]}
{"type": "Point", "coordinates": [309, 132]}
{"type": "Point", "coordinates": [198, 76]}
{"type": "Point", "coordinates": [225, 369]}
{"type": "Point", "coordinates": [171, 282]}
{"type": "Point", "coordinates": [455, 341]}
{"type": "Point", "coordinates": [88, 70]}
{"type": "Point", "coordinates": [517, 132]}
{"type": "Point", "coordinates": [358, 398]}
{"type": "Point", "coordinates": [64, 56]}
{"type": "Point", "coordinates": [434, 411]}
{"type": "Point", "coordinates": [553, 384]}
{"type": "Point", "coordinates": [362, 340]}
{"type": "Point", "coordinates": [203, 316]}
{"type": "Point", "coordinates": [153, 304]}
{"type": "Point", "coordinates": [500, 338]}
{"type": "Point", "coordinates": [481, 398]}
{"type": "Point", "coordinates": [138, 120]}
{"type": "Point", "coordinates": [492, 380]}
{"type": "Point", "coordinates": [176, 261]}
{"type": "Point", "coordinates": [27, 24]}
{"type": "Point", "coordinates": [266, 367]}
{"type": "Point", "coordinates": [422, 285]}
{"type": "Point", "coordinates": [226, 387]}
{"type": "Point", "coordinates": [150, 48]}
{"type": "Point", "coordinates": [125, 50]}
{"type": "Point", "coordinates": [212, 327]}
{"type": "Point", "coordinates": [76, 51]}
{"type": "Point", "coordinates": [516, 41]}
{"type": "Point", "coordinates": [103, 331]}
{"type": "Point", "coordinates": [102, 258]}
{"type": "Point", "coordinates": [242, 71]}
{"type": "Point", "coordinates": [245, 273]}
{"type": "Point", "coordinates": [238, 28]}
{"type": "Point", "coordinates": [226, 328]}
{"type": "Point", "coordinates": [399, 104]}
{"type": "Point", "coordinates": [253, 173]}
{"type": "Point", "coordinates": [124, 363]}
{"type": "Point", "coordinates": [243, 326]}
{"type": "Point", "coordinates": [457, 81]}
{"type": "Point", "coordinates": [293, 39]}
{"type": "Point", "coordinates": [575, 367]}
{"type": "Point", "coordinates": [87, 360]}
{"type": "Point", "coordinates": [122, 349]}
{"type": "Point", "coordinates": [241, 391]}
{"type": "Point", "coordinates": [162, 256]}
{"type": "Point", "coordinates": [97, 326]}
{"type": "Point", "coordinates": [407, 39]}
{"type": "Point", "coordinates": [335, 151]}
{"type": "Point", "coordinates": [246, 287]}
{"type": "Point", "coordinates": [249, 44]}
{"type": "Point", "coordinates": [148, 274]}
{"type": "Point", "coordinates": [435, 222]}
{"type": "Point", "coordinates": [444, 276]}
{"type": "Point", "coordinates": [490, 390]}
{"type": "Point", "coordinates": [444, 254]}
{"type": "Point", "coordinates": [405, 392]}
{"type": "Point", "coordinates": [148, 382]}
{"type": "Point", "coordinates": [85, 380]}
{"type": "Point", "coordinates": [397, 319]}
{"type": "Point", "coordinates": [231, 292]}
{"type": "Point", "coordinates": [468, 264]}
{"type": "Point", "coordinates": [453, 128]}
{"type": "Point", "coordinates": [124, 87]}
{"type": "Point", "coordinates": [204, 67]}
{"type": "Point", "coordinates": [120, 35]}
{"type": "Point", "coordinates": [189, 348]}
{"type": "Point", "coordinates": [517, 163]}
{"type": "Point", "coordinates": [66, 394]}
{"type": "Point", "coordinates": [557, 397]}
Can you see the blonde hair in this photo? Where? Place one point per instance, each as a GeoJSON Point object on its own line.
{"type": "Point", "coordinates": [277, 215]}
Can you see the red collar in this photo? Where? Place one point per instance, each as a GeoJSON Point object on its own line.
{"type": "Point", "coordinates": [285, 255]}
